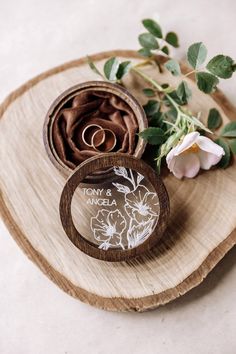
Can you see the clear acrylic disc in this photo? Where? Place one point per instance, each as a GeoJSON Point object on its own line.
{"type": "Point", "coordinates": [118, 214]}
{"type": "Point", "coordinates": [116, 217]}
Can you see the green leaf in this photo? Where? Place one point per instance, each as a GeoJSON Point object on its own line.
{"type": "Point", "coordinates": [149, 92]}
{"type": "Point", "coordinates": [171, 115]}
{"type": "Point", "coordinates": [200, 125]}
{"type": "Point", "coordinates": [221, 66]}
{"type": "Point", "coordinates": [154, 136]}
{"type": "Point", "coordinates": [196, 55]}
{"type": "Point", "coordinates": [148, 41]}
{"type": "Point", "coordinates": [123, 69]}
{"type": "Point", "coordinates": [232, 144]}
{"type": "Point", "coordinates": [173, 66]}
{"type": "Point", "coordinates": [110, 68]}
{"type": "Point", "coordinates": [93, 67]}
{"type": "Point", "coordinates": [175, 97]}
{"type": "Point", "coordinates": [150, 154]}
{"type": "Point", "coordinates": [153, 27]}
{"type": "Point", "coordinates": [206, 82]}
{"type": "Point", "coordinates": [229, 130]}
{"type": "Point", "coordinates": [151, 107]}
{"type": "Point", "coordinates": [165, 86]}
{"type": "Point", "coordinates": [183, 92]}
{"type": "Point", "coordinates": [165, 50]}
{"type": "Point", "coordinates": [172, 39]}
{"type": "Point", "coordinates": [145, 52]}
{"type": "Point", "coordinates": [214, 120]}
{"type": "Point", "coordinates": [157, 120]}
{"type": "Point", "coordinates": [224, 162]}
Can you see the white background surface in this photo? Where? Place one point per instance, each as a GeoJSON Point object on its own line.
{"type": "Point", "coordinates": [35, 316]}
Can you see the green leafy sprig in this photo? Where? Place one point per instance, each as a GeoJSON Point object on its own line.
{"type": "Point", "coordinates": [153, 41]}
{"type": "Point", "coordinates": [207, 78]}
{"type": "Point", "coordinates": [226, 137]}
{"type": "Point", "coordinates": [169, 119]}
{"type": "Point", "coordinates": [113, 69]}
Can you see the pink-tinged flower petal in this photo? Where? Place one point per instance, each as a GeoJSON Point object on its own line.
{"type": "Point", "coordinates": [207, 159]}
{"type": "Point", "coordinates": [208, 145]}
{"type": "Point", "coordinates": [170, 158]}
{"type": "Point", "coordinates": [188, 141]}
{"type": "Point", "coordinates": [186, 165]}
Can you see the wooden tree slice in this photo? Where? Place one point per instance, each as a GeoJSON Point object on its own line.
{"type": "Point", "coordinates": [202, 221]}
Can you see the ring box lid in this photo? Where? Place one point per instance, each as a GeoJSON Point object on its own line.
{"type": "Point", "coordinates": [117, 218]}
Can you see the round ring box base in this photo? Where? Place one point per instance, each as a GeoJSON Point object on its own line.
{"type": "Point", "coordinates": [130, 143]}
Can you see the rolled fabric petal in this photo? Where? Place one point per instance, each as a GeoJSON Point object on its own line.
{"type": "Point", "coordinates": [92, 108]}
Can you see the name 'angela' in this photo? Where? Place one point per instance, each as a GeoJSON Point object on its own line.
{"type": "Point", "coordinates": [101, 202]}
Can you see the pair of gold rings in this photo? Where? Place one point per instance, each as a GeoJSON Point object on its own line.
{"type": "Point", "coordinates": [100, 139]}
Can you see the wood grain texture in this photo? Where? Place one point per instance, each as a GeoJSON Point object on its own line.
{"type": "Point", "coordinates": [202, 221]}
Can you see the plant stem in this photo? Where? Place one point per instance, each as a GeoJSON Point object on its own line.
{"type": "Point", "coordinates": [190, 72]}
{"type": "Point", "coordinates": [144, 62]}
{"type": "Point", "coordinates": [150, 60]}
{"type": "Point", "coordinates": [147, 78]}
{"type": "Point", "coordinates": [184, 119]}
{"type": "Point", "coordinates": [156, 85]}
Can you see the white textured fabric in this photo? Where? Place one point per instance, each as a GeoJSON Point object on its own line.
{"type": "Point", "coordinates": [35, 316]}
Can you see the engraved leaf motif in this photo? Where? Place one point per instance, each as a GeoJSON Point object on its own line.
{"type": "Point", "coordinates": [121, 171]}
{"type": "Point", "coordinates": [139, 233]}
{"type": "Point", "coordinates": [140, 177]}
{"type": "Point", "coordinates": [105, 245]}
{"type": "Point", "coordinates": [121, 188]}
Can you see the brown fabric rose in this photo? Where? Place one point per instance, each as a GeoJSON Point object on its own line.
{"type": "Point", "coordinates": [92, 107]}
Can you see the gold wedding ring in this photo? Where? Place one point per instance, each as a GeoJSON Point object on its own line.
{"type": "Point", "coordinates": [88, 133]}
{"type": "Point", "coordinates": [100, 139]}
{"type": "Point", "coordinates": [109, 141]}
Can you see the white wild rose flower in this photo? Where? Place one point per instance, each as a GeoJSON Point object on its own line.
{"type": "Point", "coordinates": [194, 152]}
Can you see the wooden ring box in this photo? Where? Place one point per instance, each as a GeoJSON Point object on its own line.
{"type": "Point", "coordinates": [68, 95]}
{"type": "Point", "coordinates": [113, 206]}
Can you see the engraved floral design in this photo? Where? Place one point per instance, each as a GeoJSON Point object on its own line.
{"type": "Point", "coordinates": [138, 233]}
{"type": "Point", "coordinates": [132, 226]}
{"type": "Point", "coordinates": [140, 204]}
{"type": "Point", "coordinates": [107, 228]}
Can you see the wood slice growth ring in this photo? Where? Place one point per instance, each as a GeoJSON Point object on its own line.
{"type": "Point", "coordinates": [202, 219]}
{"type": "Point", "coordinates": [150, 223]}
